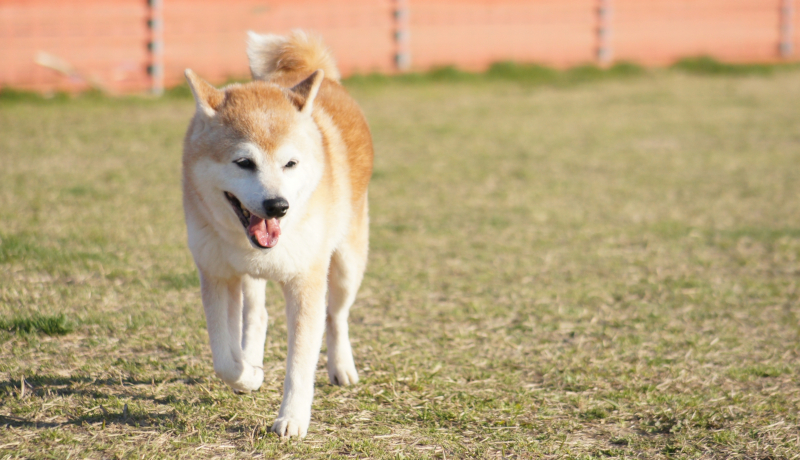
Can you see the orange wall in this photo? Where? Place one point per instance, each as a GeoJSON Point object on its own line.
{"type": "Point", "coordinates": [661, 31]}
{"type": "Point", "coordinates": [209, 36]}
{"type": "Point", "coordinates": [476, 33]}
{"type": "Point", "coordinates": [107, 40]}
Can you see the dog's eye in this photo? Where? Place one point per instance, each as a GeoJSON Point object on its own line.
{"type": "Point", "coordinates": [245, 163]}
{"type": "Point", "coordinates": [291, 164]}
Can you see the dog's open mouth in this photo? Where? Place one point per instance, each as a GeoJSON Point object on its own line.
{"type": "Point", "coordinates": [263, 233]}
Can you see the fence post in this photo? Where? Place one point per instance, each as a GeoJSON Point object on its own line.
{"type": "Point", "coordinates": [156, 47]}
{"type": "Point", "coordinates": [786, 47]}
{"type": "Point", "coordinates": [402, 57]}
{"type": "Point", "coordinates": [604, 50]}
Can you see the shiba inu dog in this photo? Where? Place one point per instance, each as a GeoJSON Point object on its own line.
{"type": "Point", "coordinates": [275, 176]}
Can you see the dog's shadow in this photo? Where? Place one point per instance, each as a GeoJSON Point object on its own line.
{"type": "Point", "coordinates": [46, 386]}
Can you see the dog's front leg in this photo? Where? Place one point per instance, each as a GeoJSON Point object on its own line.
{"type": "Point", "coordinates": [222, 302]}
{"type": "Point", "coordinates": [255, 320]}
{"type": "Point", "coordinates": [305, 318]}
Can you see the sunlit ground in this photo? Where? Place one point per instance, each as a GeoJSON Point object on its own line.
{"type": "Point", "coordinates": [599, 269]}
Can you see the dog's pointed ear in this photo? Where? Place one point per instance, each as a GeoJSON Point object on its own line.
{"type": "Point", "coordinates": [207, 98]}
{"type": "Point", "coordinates": [307, 91]}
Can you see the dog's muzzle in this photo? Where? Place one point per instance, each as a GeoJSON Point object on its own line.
{"type": "Point", "coordinates": [262, 232]}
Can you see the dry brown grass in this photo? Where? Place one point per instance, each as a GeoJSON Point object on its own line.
{"type": "Point", "coordinates": [602, 270]}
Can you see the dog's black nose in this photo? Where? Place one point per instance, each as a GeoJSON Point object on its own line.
{"type": "Point", "coordinates": [276, 207]}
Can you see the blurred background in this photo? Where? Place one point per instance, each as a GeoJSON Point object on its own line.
{"type": "Point", "coordinates": [123, 46]}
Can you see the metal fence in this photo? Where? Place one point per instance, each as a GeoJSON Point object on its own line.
{"type": "Point", "coordinates": [137, 45]}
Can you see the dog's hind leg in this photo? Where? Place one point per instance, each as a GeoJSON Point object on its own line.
{"type": "Point", "coordinates": [344, 278]}
{"type": "Point", "coordinates": [222, 302]}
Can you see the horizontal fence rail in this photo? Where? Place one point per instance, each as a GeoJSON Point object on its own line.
{"type": "Point", "coordinates": [123, 46]}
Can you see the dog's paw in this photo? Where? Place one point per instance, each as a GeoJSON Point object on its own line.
{"type": "Point", "coordinates": [287, 427]}
{"type": "Point", "coordinates": [342, 374]}
{"type": "Point", "coordinates": [249, 379]}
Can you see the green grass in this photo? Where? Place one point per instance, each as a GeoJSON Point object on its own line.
{"type": "Point", "coordinates": [705, 65]}
{"type": "Point", "coordinates": [526, 74]}
{"type": "Point", "coordinates": [596, 270]}
{"type": "Point", "coordinates": [50, 325]}
{"type": "Point", "coordinates": [509, 72]}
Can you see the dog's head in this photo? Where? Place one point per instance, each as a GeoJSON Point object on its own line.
{"type": "Point", "coordinates": [253, 154]}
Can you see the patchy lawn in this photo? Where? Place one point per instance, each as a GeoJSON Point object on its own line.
{"type": "Point", "coordinates": [603, 269]}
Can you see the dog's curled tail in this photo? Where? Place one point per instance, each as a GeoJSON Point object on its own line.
{"type": "Point", "coordinates": [275, 55]}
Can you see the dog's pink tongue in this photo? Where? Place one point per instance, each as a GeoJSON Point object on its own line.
{"type": "Point", "coordinates": [266, 231]}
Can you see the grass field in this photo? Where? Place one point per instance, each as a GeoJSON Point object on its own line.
{"type": "Point", "coordinates": [586, 270]}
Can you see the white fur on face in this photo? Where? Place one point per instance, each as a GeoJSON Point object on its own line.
{"type": "Point", "coordinates": [270, 178]}
{"type": "Point", "coordinates": [212, 176]}
{"type": "Point", "coordinates": [297, 184]}
{"type": "Point", "coordinates": [252, 187]}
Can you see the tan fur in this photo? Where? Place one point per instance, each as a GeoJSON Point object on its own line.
{"type": "Point", "coordinates": [296, 112]}
{"type": "Point", "coordinates": [299, 53]}
{"type": "Point", "coordinates": [258, 111]}
{"type": "Point", "coordinates": [293, 59]}
{"type": "Point", "coordinates": [333, 101]}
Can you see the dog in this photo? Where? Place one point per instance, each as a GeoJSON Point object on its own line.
{"type": "Point", "coordinates": [275, 178]}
